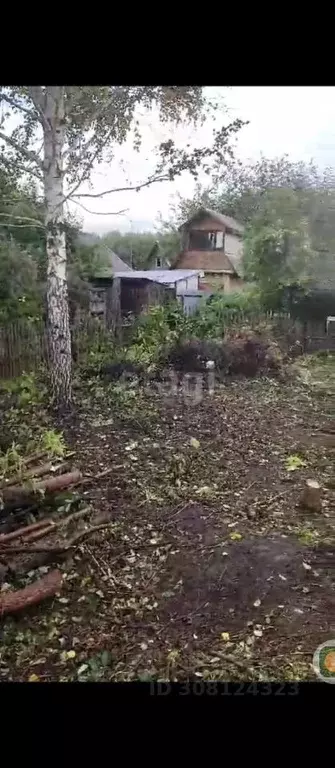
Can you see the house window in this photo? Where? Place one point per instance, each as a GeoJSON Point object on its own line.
{"type": "Point", "coordinates": [205, 241]}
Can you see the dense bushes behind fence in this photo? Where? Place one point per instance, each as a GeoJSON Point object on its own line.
{"type": "Point", "coordinates": [23, 344]}
{"type": "Point", "coordinates": [24, 348]}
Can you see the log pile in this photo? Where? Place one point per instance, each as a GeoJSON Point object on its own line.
{"type": "Point", "coordinates": [24, 499]}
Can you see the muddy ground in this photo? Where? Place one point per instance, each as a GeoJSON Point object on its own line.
{"type": "Point", "coordinates": [209, 568]}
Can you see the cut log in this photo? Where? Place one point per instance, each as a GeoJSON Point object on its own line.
{"type": "Point", "coordinates": [20, 494]}
{"type": "Point", "coordinates": [42, 527]}
{"type": "Point", "coordinates": [20, 532]}
{"type": "Point", "coordinates": [44, 469]}
{"type": "Point", "coordinates": [311, 496]}
{"type": "Point", "coordinates": [56, 549]}
{"type": "Point", "coordinates": [11, 602]}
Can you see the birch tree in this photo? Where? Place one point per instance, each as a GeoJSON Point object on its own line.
{"type": "Point", "coordinates": [59, 134]}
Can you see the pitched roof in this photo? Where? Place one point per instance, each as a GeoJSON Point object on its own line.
{"type": "Point", "coordinates": [212, 261]}
{"type": "Point", "coordinates": [164, 276]}
{"type": "Point", "coordinates": [113, 262]}
{"type": "Point", "coordinates": [229, 223]}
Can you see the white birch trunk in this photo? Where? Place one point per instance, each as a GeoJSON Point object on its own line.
{"type": "Point", "coordinates": [59, 339]}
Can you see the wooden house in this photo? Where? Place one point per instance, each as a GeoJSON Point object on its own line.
{"type": "Point", "coordinates": [212, 243]}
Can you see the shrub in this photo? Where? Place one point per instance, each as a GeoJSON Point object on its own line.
{"type": "Point", "coordinates": [158, 328]}
{"type": "Point", "coordinates": [223, 312]}
{"type": "Point", "coordinates": [244, 354]}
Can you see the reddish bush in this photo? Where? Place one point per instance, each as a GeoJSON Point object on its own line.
{"type": "Point", "coordinates": [241, 355]}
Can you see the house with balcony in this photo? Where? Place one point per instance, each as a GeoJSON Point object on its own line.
{"type": "Point", "coordinates": [212, 242]}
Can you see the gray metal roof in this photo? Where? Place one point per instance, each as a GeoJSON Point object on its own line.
{"type": "Point", "coordinates": [165, 276]}
{"type": "Point", "coordinates": [230, 223]}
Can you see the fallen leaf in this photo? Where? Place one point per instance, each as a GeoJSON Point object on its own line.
{"type": "Point", "coordinates": [225, 636]}
{"type": "Point", "coordinates": [33, 679]}
{"type": "Point", "coordinates": [65, 655]}
{"type": "Point", "coordinates": [307, 567]}
{"type": "Point", "coordinates": [294, 462]}
{"type": "Point", "coordinates": [82, 669]}
{"type": "Point", "coordinates": [236, 536]}
{"type": "Point", "coordinates": [194, 443]}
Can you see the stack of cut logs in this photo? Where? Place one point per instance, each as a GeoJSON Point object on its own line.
{"type": "Point", "coordinates": [24, 499]}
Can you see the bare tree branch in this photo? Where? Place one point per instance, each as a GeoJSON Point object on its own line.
{"type": "Point", "coordinates": [27, 153]}
{"type": "Point", "coordinates": [82, 178]}
{"type": "Point", "coordinates": [16, 226]}
{"type": "Point", "coordinates": [100, 213]}
{"type": "Point", "coordinates": [166, 177]}
{"type": "Point", "coordinates": [36, 222]}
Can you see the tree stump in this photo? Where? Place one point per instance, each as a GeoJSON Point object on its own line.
{"type": "Point", "coordinates": [311, 496]}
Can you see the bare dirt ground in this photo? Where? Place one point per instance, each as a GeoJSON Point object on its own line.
{"type": "Point", "coordinates": [209, 569]}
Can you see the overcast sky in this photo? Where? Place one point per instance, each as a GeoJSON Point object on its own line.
{"type": "Point", "coordinates": [298, 121]}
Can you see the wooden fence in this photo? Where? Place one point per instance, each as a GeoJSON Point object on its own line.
{"type": "Point", "coordinates": [24, 348]}
{"type": "Point", "coordinates": [23, 345]}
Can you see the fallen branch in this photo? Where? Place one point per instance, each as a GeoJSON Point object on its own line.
{"type": "Point", "coordinates": [20, 532]}
{"type": "Point", "coordinates": [269, 501]}
{"type": "Point", "coordinates": [92, 478]}
{"type": "Point", "coordinates": [18, 494]}
{"type": "Point", "coordinates": [58, 524]}
{"type": "Point", "coordinates": [35, 457]}
{"type": "Point", "coordinates": [11, 602]}
{"type": "Point", "coordinates": [55, 549]}
{"type": "Point", "coordinates": [34, 530]}
{"type": "Point", "coordinates": [74, 516]}
{"type": "Point", "coordinates": [44, 469]}
{"type": "Point", "coordinates": [35, 535]}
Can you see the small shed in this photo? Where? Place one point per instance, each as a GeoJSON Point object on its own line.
{"type": "Point", "coordinates": [136, 290]}
{"type": "Point", "coordinates": [180, 280]}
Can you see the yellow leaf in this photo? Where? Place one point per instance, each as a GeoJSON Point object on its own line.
{"type": "Point", "coordinates": [236, 536]}
{"type": "Point", "coordinates": [65, 655]}
{"type": "Point", "coordinates": [34, 679]}
{"type": "Point", "coordinates": [225, 636]}
{"type": "Point", "coordinates": [194, 443]}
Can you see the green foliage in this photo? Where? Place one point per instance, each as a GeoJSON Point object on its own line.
{"type": "Point", "coordinates": [52, 443]}
{"type": "Point", "coordinates": [94, 345]}
{"type": "Point", "coordinates": [289, 212]}
{"type": "Point", "coordinates": [164, 327]}
{"type": "Point", "coordinates": [26, 388]}
{"type": "Point", "coordinates": [294, 462]}
{"type": "Point", "coordinates": [19, 295]}
{"type": "Point", "coordinates": [96, 668]}
{"type": "Point", "coordinates": [221, 312]}
{"type": "Point", "coordinates": [161, 326]}
{"type": "Point", "coordinates": [49, 441]}
{"type": "Point", "coordinates": [10, 460]}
